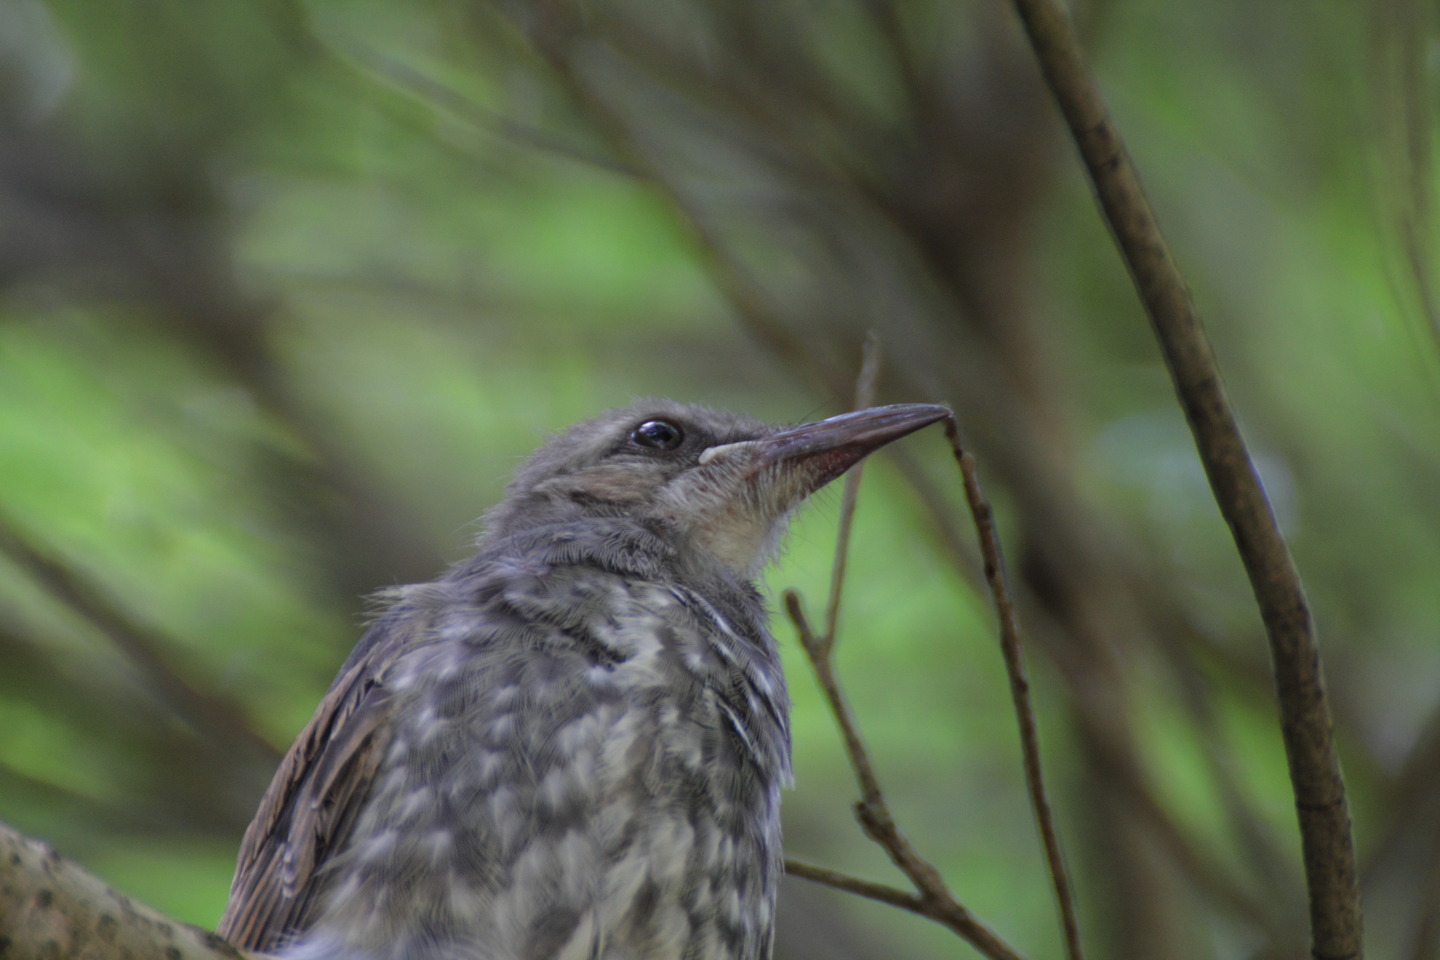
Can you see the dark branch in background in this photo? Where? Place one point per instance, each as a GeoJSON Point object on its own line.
{"type": "Point", "coordinates": [87, 225]}
{"type": "Point", "coordinates": [730, 277]}
{"type": "Point", "coordinates": [394, 76]}
{"type": "Point", "coordinates": [724, 268]}
{"type": "Point", "coordinates": [994, 560]}
{"type": "Point", "coordinates": [1084, 586]}
{"type": "Point", "coordinates": [1405, 31]}
{"type": "Point", "coordinates": [1335, 916]}
{"type": "Point", "coordinates": [211, 714]}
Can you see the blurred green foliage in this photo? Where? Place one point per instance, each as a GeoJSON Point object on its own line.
{"type": "Point", "coordinates": [286, 290]}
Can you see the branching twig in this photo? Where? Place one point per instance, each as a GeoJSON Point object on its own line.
{"type": "Point", "coordinates": [994, 561]}
{"type": "Point", "coordinates": [933, 899]}
{"type": "Point", "coordinates": [1306, 725]}
{"type": "Point", "coordinates": [872, 810]}
{"type": "Point", "coordinates": [868, 889]}
{"type": "Point", "coordinates": [945, 912]}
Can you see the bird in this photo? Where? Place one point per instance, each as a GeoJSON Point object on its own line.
{"type": "Point", "coordinates": [572, 745]}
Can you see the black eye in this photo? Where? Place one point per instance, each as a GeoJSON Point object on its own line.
{"type": "Point", "coordinates": [658, 435]}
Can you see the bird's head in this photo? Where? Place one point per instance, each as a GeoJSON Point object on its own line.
{"type": "Point", "coordinates": [719, 483]}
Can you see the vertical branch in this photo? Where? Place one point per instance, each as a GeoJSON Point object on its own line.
{"type": "Point", "coordinates": [1305, 720]}
{"type": "Point", "coordinates": [1019, 689]}
{"type": "Point", "coordinates": [864, 397]}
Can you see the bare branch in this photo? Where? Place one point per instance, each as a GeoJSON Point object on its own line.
{"type": "Point", "coordinates": [51, 908]}
{"type": "Point", "coordinates": [948, 914]}
{"type": "Point", "coordinates": [935, 899]}
{"type": "Point", "coordinates": [994, 560]}
{"type": "Point", "coordinates": [868, 889]}
{"type": "Point", "coordinates": [817, 649]}
{"type": "Point", "coordinates": [1306, 725]}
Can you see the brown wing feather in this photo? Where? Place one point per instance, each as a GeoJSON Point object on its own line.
{"type": "Point", "coordinates": [310, 808]}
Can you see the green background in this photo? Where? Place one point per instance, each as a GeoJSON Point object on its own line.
{"type": "Point", "coordinates": [287, 290]}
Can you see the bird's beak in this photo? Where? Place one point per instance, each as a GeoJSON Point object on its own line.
{"type": "Point", "coordinates": [818, 452]}
{"type": "Point", "coordinates": [751, 485]}
{"type": "Point", "coordinates": [821, 451]}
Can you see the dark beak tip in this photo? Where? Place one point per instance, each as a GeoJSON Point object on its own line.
{"type": "Point", "coordinates": [859, 433]}
{"type": "Point", "coordinates": [923, 413]}
{"type": "Point", "coordinates": [888, 423]}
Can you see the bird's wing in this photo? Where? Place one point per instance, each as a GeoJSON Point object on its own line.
{"type": "Point", "coordinates": [309, 809]}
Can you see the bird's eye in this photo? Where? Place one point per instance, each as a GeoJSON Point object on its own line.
{"type": "Point", "coordinates": [658, 435]}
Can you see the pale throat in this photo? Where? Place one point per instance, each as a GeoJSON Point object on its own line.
{"type": "Point", "coordinates": [739, 539]}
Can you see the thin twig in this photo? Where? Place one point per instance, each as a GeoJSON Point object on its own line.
{"type": "Point", "coordinates": [819, 654]}
{"type": "Point", "coordinates": [994, 560]}
{"type": "Point", "coordinates": [864, 397]}
{"type": "Point", "coordinates": [934, 898]}
{"type": "Point", "coordinates": [1305, 721]}
{"type": "Point", "coordinates": [951, 915]}
{"type": "Point", "coordinates": [868, 889]}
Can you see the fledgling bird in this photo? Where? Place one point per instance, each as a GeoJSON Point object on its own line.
{"type": "Point", "coordinates": [570, 747]}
